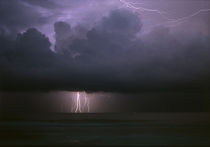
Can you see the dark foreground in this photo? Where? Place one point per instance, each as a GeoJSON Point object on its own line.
{"type": "Point", "coordinates": [134, 129]}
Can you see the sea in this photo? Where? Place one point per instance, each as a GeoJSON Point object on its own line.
{"type": "Point", "coordinates": [105, 129]}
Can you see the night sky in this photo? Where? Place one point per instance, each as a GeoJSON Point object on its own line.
{"type": "Point", "coordinates": [130, 56]}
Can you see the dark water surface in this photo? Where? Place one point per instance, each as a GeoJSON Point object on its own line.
{"type": "Point", "coordinates": [130, 129]}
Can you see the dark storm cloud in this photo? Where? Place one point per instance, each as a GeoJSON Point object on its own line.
{"type": "Point", "coordinates": [63, 35]}
{"type": "Point", "coordinates": [111, 57]}
{"type": "Point", "coordinates": [159, 60]}
{"type": "Point", "coordinates": [25, 59]}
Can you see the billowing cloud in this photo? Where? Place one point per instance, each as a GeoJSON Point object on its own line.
{"type": "Point", "coordinates": [110, 56]}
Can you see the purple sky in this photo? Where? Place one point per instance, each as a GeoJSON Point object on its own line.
{"type": "Point", "coordinates": [87, 13]}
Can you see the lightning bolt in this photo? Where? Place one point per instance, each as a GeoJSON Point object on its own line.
{"type": "Point", "coordinates": [192, 15]}
{"type": "Point", "coordinates": [78, 103]}
{"type": "Point", "coordinates": [133, 6]}
{"type": "Point", "coordinates": [169, 21]}
{"type": "Point", "coordinates": [87, 103]}
{"type": "Point", "coordinates": [81, 103]}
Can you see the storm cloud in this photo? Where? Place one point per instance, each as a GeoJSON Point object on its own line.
{"type": "Point", "coordinates": [112, 55]}
{"type": "Point", "coordinates": [16, 16]}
